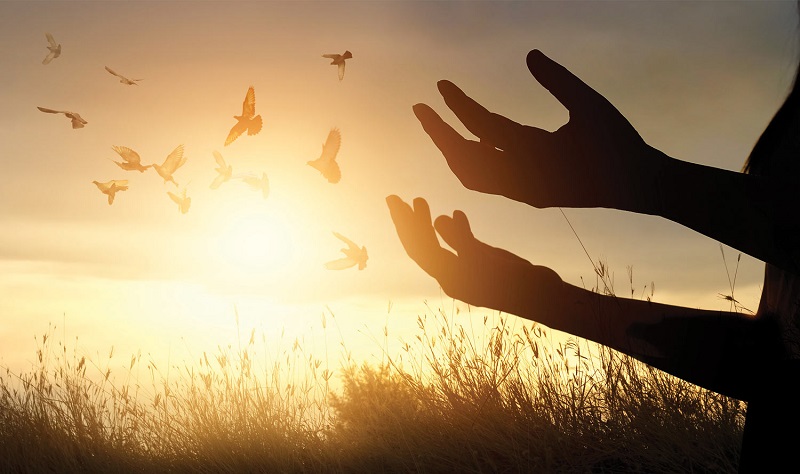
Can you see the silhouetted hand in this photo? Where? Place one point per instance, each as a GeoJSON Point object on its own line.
{"type": "Point", "coordinates": [596, 160]}
{"type": "Point", "coordinates": [477, 274]}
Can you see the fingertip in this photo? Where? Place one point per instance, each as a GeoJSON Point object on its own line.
{"type": "Point", "coordinates": [444, 225]}
{"type": "Point", "coordinates": [442, 221]}
{"type": "Point", "coordinates": [450, 91]}
{"type": "Point", "coordinates": [445, 86]}
{"type": "Point", "coordinates": [460, 220]}
{"type": "Point", "coordinates": [535, 59]}
{"type": "Point", "coordinates": [422, 111]}
{"type": "Point", "coordinates": [397, 206]}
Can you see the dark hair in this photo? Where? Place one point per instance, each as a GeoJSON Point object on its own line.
{"type": "Point", "coordinates": [777, 151]}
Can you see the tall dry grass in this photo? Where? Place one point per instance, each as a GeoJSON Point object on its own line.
{"type": "Point", "coordinates": [496, 397]}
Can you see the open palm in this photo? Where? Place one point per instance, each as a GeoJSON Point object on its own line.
{"type": "Point", "coordinates": [476, 273]}
{"type": "Point", "coordinates": [597, 159]}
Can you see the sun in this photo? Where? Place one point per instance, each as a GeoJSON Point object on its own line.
{"type": "Point", "coordinates": [255, 239]}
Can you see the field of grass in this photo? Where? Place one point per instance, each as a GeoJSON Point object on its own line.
{"type": "Point", "coordinates": [502, 399]}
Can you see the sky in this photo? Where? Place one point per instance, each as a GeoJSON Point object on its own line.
{"type": "Point", "coordinates": [698, 80]}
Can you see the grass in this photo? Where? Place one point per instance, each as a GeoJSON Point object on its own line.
{"type": "Point", "coordinates": [498, 398]}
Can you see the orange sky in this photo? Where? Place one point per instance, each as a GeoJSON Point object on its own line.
{"type": "Point", "coordinates": [698, 80]}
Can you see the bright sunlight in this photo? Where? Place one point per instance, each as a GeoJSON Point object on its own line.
{"type": "Point", "coordinates": [254, 238]}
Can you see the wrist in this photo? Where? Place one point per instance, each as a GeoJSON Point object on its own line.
{"type": "Point", "coordinates": [659, 177]}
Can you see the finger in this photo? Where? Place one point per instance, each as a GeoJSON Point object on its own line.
{"type": "Point", "coordinates": [476, 165]}
{"type": "Point", "coordinates": [494, 129]}
{"type": "Point", "coordinates": [443, 135]}
{"type": "Point", "coordinates": [456, 232]}
{"type": "Point", "coordinates": [565, 86]}
{"type": "Point", "coordinates": [418, 236]}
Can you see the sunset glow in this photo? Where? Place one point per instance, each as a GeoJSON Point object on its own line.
{"type": "Point", "coordinates": [168, 79]}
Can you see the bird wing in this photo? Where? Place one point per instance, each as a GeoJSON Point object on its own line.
{"type": "Point", "coordinates": [175, 198]}
{"type": "Point", "coordinates": [347, 241]}
{"type": "Point", "coordinates": [341, 263]}
{"type": "Point", "coordinates": [255, 125]}
{"type": "Point", "coordinates": [174, 160]}
{"type": "Point", "coordinates": [51, 40]}
{"type": "Point", "coordinates": [341, 70]}
{"type": "Point", "coordinates": [331, 146]}
{"type": "Point", "coordinates": [103, 187]}
{"type": "Point", "coordinates": [50, 111]}
{"type": "Point", "coordinates": [112, 72]}
{"type": "Point", "coordinates": [120, 184]}
{"type": "Point", "coordinates": [127, 154]}
{"type": "Point", "coordinates": [264, 185]}
{"type": "Point", "coordinates": [236, 130]}
{"type": "Point", "coordinates": [249, 104]}
{"type": "Point", "coordinates": [49, 57]}
{"type": "Point", "coordinates": [217, 181]}
{"type": "Point", "coordinates": [219, 159]}
{"type": "Point", "coordinates": [330, 56]}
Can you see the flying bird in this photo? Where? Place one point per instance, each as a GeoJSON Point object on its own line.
{"type": "Point", "coordinates": [130, 159]}
{"type": "Point", "coordinates": [261, 183]}
{"type": "Point", "coordinates": [354, 255]}
{"type": "Point", "coordinates": [123, 79]}
{"type": "Point", "coordinates": [181, 200]}
{"type": "Point", "coordinates": [326, 163]}
{"type": "Point", "coordinates": [77, 121]}
{"type": "Point", "coordinates": [225, 170]}
{"type": "Point", "coordinates": [54, 49]}
{"type": "Point", "coordinates": [248, 121]}
{"type": "Point", "coordinates": [338, 59]}
{"type": "Point", "coordinates": [110, 188]}
{"type": "Point", "coordinates": [174, 160]}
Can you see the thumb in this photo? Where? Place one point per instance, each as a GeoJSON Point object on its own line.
{"type": "Point", "coordinates": [559, 81]}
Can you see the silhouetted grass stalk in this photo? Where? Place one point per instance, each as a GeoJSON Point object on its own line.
{"type": "Point", "coordinates": [457, 398]}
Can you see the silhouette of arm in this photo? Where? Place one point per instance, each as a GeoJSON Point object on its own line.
{"type": "Point", "coordinates": [721, 351]}
{"type": "Point", "coordinates": [597, 159]}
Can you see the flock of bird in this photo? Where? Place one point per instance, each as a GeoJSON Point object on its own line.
{"type": "Point", "coordinates": [248, 122]}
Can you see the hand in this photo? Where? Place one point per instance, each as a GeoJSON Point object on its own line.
{"type": "Point", "coordinates": [477, 273]}
{"type": "Point", "coordinates": [596, 160]}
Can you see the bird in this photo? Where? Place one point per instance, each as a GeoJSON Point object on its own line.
{"type": "Point", "coordinates": [123, 79]}
{"type": "Point", "coordinates": [248, 121]}
{"type": "Point", "coordinates": [77, 120]}
{"type": "Point", "coordinates": [326, 163]}
{"type": "Point", "coordinates": [110, 188]}
{"type": "Point", "coordinates": [261, 183]}
{"type": "Point", "coordinates": [181, 200]}
{"type": "Point", "coordinates": [354, 255]}
{"type": "Point", "coordinates": [225, 170]}
{"type": "Point", "coordinates": [174, 160]}
{"type": "Point", "coordinates": [54, 49]}
{"type": "Point", "coordinates": [338, 59]}
{"type": "Point", "coordinates": [130, 159]}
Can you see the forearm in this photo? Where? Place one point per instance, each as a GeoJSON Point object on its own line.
{"type": "Point", "coordinates": [749, 213]}
{"type": "Point", "coordinates": [720, 351]}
